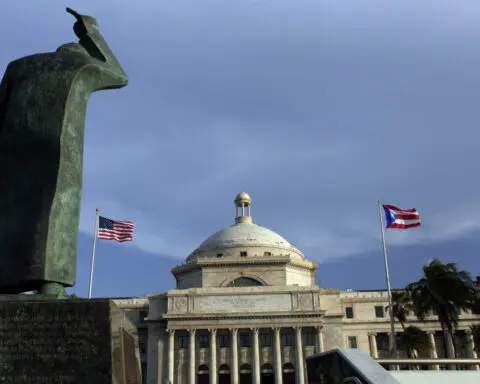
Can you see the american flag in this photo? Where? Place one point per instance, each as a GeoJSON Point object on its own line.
{"type": "Point", "coordinates": [401, 218]}
{"type": "Point", "coordinates": [120, 231]}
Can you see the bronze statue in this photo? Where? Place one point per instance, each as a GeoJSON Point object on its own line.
{"type": "Point", "coordinates": [43, 101]}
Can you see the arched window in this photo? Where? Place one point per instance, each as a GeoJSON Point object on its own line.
{"type": "Point", "coordinates": [244, 282]}
{"type": "Point", "coordinates": [203, 369]}
{"type": "Point", "coordinates": [224, 369]}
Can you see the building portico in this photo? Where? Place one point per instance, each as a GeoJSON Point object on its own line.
{"type": "Point", "coordinates": [242, 337]}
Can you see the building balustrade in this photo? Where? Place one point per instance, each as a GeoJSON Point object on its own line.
{"type": "Point", "coordinates": [262, 351]}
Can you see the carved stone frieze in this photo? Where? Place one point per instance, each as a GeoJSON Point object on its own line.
{"type": "Point", "coordinates": [180, 304]}
{"type": "Point", "coordinates": [305, 301]}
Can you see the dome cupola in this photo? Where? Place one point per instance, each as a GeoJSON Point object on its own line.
{"type": "Point", "coordinates": [243, 204]}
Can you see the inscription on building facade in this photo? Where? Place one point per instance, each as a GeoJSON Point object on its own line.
{"type": "Point", "coordinates": [247, 303]}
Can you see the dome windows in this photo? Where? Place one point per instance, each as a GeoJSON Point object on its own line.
{"type": "Point", "coordinates": [243, 254]}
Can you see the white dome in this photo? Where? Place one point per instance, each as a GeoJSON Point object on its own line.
{"type": "Point", "coordinates": [244, 234]}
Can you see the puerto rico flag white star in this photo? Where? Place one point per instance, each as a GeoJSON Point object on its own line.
{"type": "Point", "coordinates": [401, 218]}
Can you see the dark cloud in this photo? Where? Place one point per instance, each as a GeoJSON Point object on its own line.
{"type": "Point", "coordinates": [315, 108]}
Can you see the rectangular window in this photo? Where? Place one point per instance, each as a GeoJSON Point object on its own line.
{"type": "Point", "coordinates": [142, 314]}
{"type": "Point", "coordinates": [142, 340]}
{"type": "Point", "coordinates": [379, 311]}
{"type": "Point", "coordinates": [142, 346]}
{"type": "Point", "coordinates": [267, 253]}
{"type": "Point", "coordinates": [244, 339]}
{"type": "Point", "coordinates": [309, 338]}
{"type": "Point", "coordinates": [352, 341]}
{"type": "Point", "coordinates": [265, 339]}
{"type": "Point", "coordinates": [383, 341]}
{"type": "Point", "coordinates": [203, 341]}
{"type": "Point", "coordinates": [243, 254]}
{"type": "Point", "coordinates": [182, 341]}
{"type": "Point", "coordinates": [287, 339]}
{"type": "Point", "coordinates": [224, 340]}
{"type": "Point", "coordinates": [349, 312]}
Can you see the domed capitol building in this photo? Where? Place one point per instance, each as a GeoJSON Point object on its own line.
{"type": "Point", "coordinates": [246, 310]}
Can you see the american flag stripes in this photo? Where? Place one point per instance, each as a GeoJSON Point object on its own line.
{"type": "Point", "coordinates": [120, 231]}
{"type": "Point", "coordinates": [401, 218]}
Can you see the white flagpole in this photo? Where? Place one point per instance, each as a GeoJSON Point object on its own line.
{"type": "Point", "coordinates": [95, 236]}
{"type": "Point", "coordinates": [387, 277]}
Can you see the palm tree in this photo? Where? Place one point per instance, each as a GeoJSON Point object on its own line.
{"type": "Point", "coordinates": [476, 297]}
{"type": "Point", "coordinates": [475, 328]}
{"type": "Point", "coordinates": [442, 290]}
{"type": "Point", "coordinates": [402, 306]}
{"type": "Point", "coordinates": [413, 340]}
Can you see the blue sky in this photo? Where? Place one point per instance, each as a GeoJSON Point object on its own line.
{"type": "Point", "coordinates": [317, 109]}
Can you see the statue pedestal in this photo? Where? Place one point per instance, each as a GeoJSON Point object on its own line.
{"type": "Point", "coordinates": [47, 341]}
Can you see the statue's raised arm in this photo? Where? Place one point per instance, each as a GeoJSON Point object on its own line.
{"type": "Point", "coordinates": [87, 30]}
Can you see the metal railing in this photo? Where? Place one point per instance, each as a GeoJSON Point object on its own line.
{"type": "Point", "coordinates": [430, 362]}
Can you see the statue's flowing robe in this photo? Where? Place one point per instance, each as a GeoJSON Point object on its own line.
{"type": "Point", "coordinates": [43, 101]}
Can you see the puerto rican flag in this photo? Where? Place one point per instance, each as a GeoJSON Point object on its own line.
{"type": "Point", "coordinates": [401, 218]}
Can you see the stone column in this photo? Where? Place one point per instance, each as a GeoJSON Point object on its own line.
{"type": "Point", "coordinates": [433, 349]}
{"type": "Point", "coordinates": [157, 354]}
{"type": "Point", "coordinates": [192, 372]}
{"type": "Point", "coordinates": [256, 357]}
{"type": "Point", "coordinates": [320, 347]}
{"type": "Point", "coordinates": [372, 336]}
{"type": "Point", "coordinates": [213, 356]}
{"type": "Point", "coordinates": [448, 339]}
{"type": "Point", "coordinates": [472, 354]}
{"type": "Point", "coordinates": [299, 355]}
{"type": "Point", "coordinates": [234, 355]}
{"type": "Point", "coordinates": [278, 357]}
{"type": "Point", "coordinates": [171, 355]}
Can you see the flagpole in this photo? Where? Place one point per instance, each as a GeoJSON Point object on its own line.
{"type": "Point", "coordinates": [95, 236]}
{"type": "Point", "coordinates": [387, 278]}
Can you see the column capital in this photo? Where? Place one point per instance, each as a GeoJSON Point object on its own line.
{"type": "Point", "coordinates": [254, 330]}
{"type": "Point", "coordinates": [319, 328]}
{"type": "Point", "coordinates": [430, 333]}
{"type": "Point", "coordinates": [468, 332]}
{"type": "Point", "coordinates": [298, 328]}
{"type": "Point", "coordinates": [277, 329]}
{"type": "Point", "coordinates": [233, 330]}
{"type": "Point", "coordinates": [373, 333]}
{"type": "Point", "coordinates": [192, 330]}
{"type": "Point", "coordinates": [170, 331]}
{"type": "Point", "coordinates": [213, 331]}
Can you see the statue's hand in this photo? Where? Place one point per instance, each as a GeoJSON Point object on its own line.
{"type": "Point", "coordinates": [84, 24]}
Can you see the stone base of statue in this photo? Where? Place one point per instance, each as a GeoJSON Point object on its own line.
{"type": "Point", "coordinates": [71, 341]}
